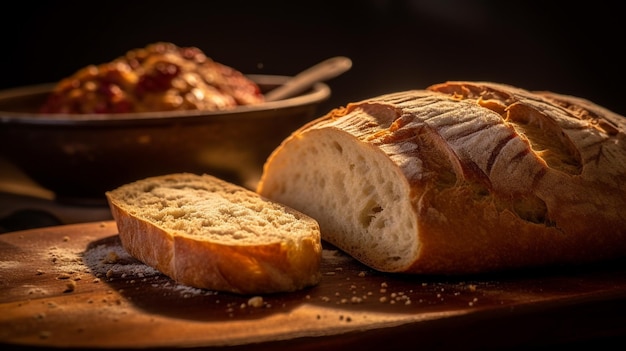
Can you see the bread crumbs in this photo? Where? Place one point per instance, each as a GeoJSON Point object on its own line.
{"type": "Point", "coordinates": [70, 286]}
{"type": "Point", "coordinates": [256, 301]}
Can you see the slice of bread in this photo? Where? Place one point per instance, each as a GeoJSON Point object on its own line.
{"type": "Point", "coordinates": [207, 233]}
{"type": "Point", "coordinates": [463, 177]}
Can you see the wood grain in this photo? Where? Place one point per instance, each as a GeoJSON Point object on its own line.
{"type": "Point", "coordinates": [73, 286]}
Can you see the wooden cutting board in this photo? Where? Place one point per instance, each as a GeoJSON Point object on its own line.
{"type": "Point", "coordinates": [74, 286]}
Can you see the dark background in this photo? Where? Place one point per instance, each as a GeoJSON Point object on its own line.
{"type": "Point", "coordinates": [395, 45]}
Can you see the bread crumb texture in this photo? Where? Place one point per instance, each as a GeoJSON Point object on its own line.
{"type": "Point", "coordinates": [217, 211]}
{"type": "Point", "coordinates": [208, 233]}
{"type": "Point", "coordinates": [461, 177]}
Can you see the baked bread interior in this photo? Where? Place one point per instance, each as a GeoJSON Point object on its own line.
{"type": "Point", "coordinates": [461, 177]}
{"type": "Point", "coordinates": [207, 233]}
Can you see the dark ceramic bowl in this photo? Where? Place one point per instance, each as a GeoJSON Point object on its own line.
{"type": "Point", "coordinates": [79, 157]}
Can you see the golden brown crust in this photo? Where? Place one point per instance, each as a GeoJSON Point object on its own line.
{"type": "Point", "coordinates": [267, 265]}
{"type": "Point", "coordinates": [498, 177]}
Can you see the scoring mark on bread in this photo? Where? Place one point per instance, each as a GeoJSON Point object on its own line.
{"type": "Point", "coordinates": [547, 139]}
{"type": "Point", "coordinates": [575, 108]}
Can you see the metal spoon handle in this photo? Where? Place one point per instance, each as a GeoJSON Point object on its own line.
{"type": "Point", "coordinates": [322, 71]}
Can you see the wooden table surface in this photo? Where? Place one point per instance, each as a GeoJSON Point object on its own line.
{"type": "Point", "coordinates": [74, 286]}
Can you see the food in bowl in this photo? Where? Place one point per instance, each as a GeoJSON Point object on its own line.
{"type": "Point", "coordinates": [80, 156]}
{"type": "Point", "coordinates": [159, 77]}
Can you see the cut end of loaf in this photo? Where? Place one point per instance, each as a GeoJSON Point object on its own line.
{"type": "Point", "coordinates": [354, 194]}
{"type": "Point", "coordinates": [459, 178]}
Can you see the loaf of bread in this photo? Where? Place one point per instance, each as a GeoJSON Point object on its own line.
{"type": "Point", "coordinates": [207, 233]}
{"type": "Point", "coordinates": [460, 178]}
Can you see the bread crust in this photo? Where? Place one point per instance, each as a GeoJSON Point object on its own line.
{"type": "Point", "coordinates": [268, 265]}
{"type": "Point", "coordinates": [497, 177]}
